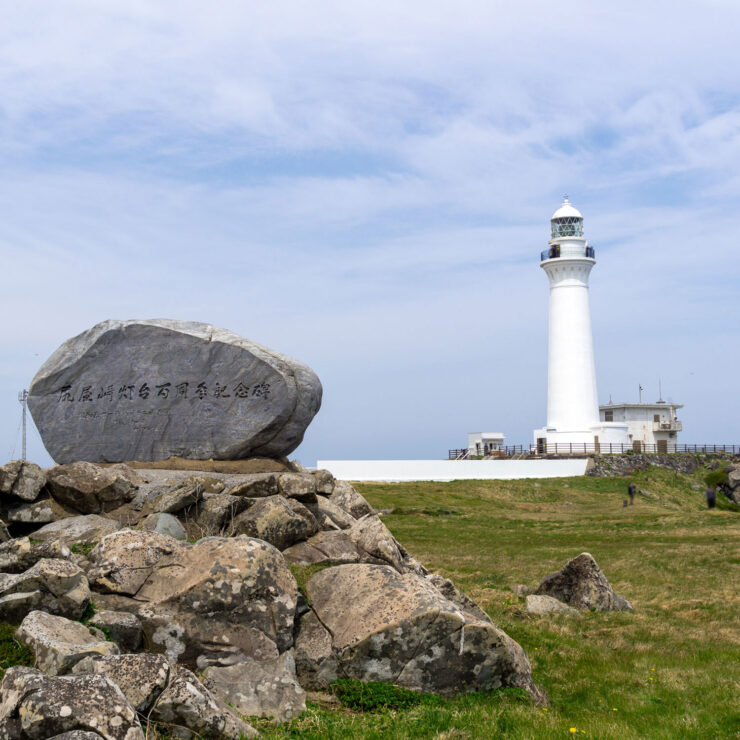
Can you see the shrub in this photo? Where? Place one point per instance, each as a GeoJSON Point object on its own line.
{"type": "Point", "coordinates": [373, 696]}
{"type": "Point", "coordinates": [715, 478]}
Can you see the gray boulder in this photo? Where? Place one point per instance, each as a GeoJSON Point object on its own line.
{"type": "Point", "coordinates": [257, 485]}
{"type": "Point", "coordinates": [276, 520]}
{"type": "Point", "coordinates": [164, 524]}
{"type": "Point", "coordinates": [60, 643]}
{"type": "Point", "coordinates": [217, 511]}
{"type": "Point", "coordinates": [347, 499]}
{"type": "Point", "coordinates": [185, 494]}
{"type": "Point", "coordinates": [186, 703]}
{"type": "Point", "coordinates": [329, 515]}
{"type": "Point", "coordinates": [372, 623]}
{"type": "Point", "coordinates": [89, 488]}
{"type": "Point", "coordinates": [141, 678]}
{"type": "Point", "coordinates": [56, 586]}
{"type": "Point", "coordinates": [22, 480]}
{"type": "Point", "coordinates": [150, 390]}
{"type": "Point", "coordinates": [38, 512]}
{"type": "Point", "coordinates": [372, 537]}
{"type": "Point", "coordinates": [328, 547]}
{"type": "Point", "coordinates": [540, 605]}
{"type": "Point", "coordinates": [259, 688]}
{"type": "Point", "coordinates": [18, 555]}
{"type": "Point", "coordinates": [79, 707]}
{"type": "Point", "coordinates": [581, 584]}
{"type": "Point", "coordinates": [4, 534]}
{"type": "Point", "coordinates": [124, 628]}
{"type": "Point", "coordinates": [298, 486]}
{"type": "Point", "coordinates": [324, 482]}
{"type": "Point", "coordinates": [86, 530]}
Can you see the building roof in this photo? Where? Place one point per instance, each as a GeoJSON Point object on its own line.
{"type": "Point", "coordinates": [566, 211]}
{"type": "Point", "coordinates": [487, 434]}
{"type": "Point", "coordinates": [656, 405]}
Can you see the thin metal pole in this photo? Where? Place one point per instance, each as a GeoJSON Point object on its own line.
{"type": "Point", "coordinates": [23, 397]}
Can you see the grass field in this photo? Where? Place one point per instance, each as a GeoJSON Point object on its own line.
{"type": "Point", "coordinates": [670, 670]}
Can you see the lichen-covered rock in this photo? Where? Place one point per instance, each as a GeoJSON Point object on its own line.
{"type": "Point", "coordinates": [22, 480]}
{"type": "Point", "coordinates": [87, 530]}
{"type": "Point", "coordinates": [372, 537]}
{"type": "Point", "coordinates": [540, 604]}
{"type": "Point", "coordinates": [124, 628]}
{"type": "Point", "coordinates": [259, 688]}
{"type": "Point", "coordinates": [257, 485]}
{"type": "Point", "coordinates": [329, 515]}
{"type": "Point", "coordinates": [581, 584]}
{"type": "Point", "coordinates": [300, 486]}
{"type": "Point", "coordinates": [347, 498]}
{"type": "Point", "coordinates": [19, 554]}
{"type": "Point", "coordinates": [186, 703]}
{"type": "Point", "coordinates": [4, 534]}
{"type": "Point", "coordinates": [78, 707]}
{"type": "Point", "coordinates": [124, 560]}
{"type": "Point", "coordinates": [150, 390]}
{"type": "Point", "coordinates": [39, 512]}
{"type": "Point", "coordinates": [451, 592]}
{"type": "Point", "coordinates": [181, 496]}
{"type": "Point", "coordinates": [141, 678]}
{"type": "Point", "coordinates": [387, 626]}
{"type": "Point", "coordinates": [329, 547]}
{"type": "Point", "coordinates": [89, 488]}
{"type": "Point", "coordinates": [55, 586]}
{"type": "Point", "coordinates": [60, 643]}
{"type": "Point", "coordinates": [274, 520]}
{"type": "Point", "coordinates": [217, 511]}
{"type": "Point", "coordinates": [218, 601]}
{"type": "Point", "coordinates": [324, 482]}
{"type": "Point", "coordinates": [164, 524]}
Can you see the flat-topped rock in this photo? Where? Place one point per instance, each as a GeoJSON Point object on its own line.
{"type": "Point", "coordinates": [154, 389]}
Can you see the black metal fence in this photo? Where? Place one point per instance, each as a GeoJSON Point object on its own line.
{"type": "Point", "coordinates": [602, 448]}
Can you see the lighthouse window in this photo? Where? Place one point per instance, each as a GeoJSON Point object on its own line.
{"type": "Point", "coordinates": [567, 226]}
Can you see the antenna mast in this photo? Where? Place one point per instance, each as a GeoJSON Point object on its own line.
{"type": "Point", "coordinates": [23, 399]}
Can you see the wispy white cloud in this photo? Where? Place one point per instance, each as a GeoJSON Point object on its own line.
{"type": "Point", "coordinates": [367, 186]}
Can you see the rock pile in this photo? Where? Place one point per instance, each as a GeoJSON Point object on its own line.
{"type": "Point", "coordinates": [266, 585]}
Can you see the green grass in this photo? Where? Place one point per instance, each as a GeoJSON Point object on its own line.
{"type": "Point", "coordinates": [670, 670]}
{"type": "Point", "coordinates": [12, 651]}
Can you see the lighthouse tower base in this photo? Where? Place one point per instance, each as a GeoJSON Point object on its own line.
{"type": "Point", "coordinates": [600, 437]}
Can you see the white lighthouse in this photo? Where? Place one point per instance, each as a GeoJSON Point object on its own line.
{"type": "Point", "coordinates": [573, 421]}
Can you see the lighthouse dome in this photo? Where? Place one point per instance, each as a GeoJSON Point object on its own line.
{"type": "Point", "coordinates": [566, 221]}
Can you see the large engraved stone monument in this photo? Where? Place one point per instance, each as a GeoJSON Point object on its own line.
{"type": "Point", "coordinates": [149, 390]}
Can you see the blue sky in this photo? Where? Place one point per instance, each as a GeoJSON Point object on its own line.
{"type": "Point", "coordinates": [366, 186]}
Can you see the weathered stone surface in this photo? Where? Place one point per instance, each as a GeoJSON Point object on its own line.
{"type": "Point", "coordinates": [38, 512]}
{"type": "Point", "coordinates": [124, 560]}
{"type": "Point", "coordinates": [328, 547]}
{"type": "Point", "coordinates": [56, 586]}
{"type": "Point", "coordinates": [257, 485]}
{"type": "Point", "coordinates": [4, 534]}
{"type": "Point", "coordinates": [329, 515]}
{"type": "Point", "coordinates": [347, 498]}
{"type": "Point", "coordinates": [124, 628]}
{"type": "Point", "coordinates": [18, 555]}
{"type": "Point", "coordinates": [373, 538]}
{"type": "Point", "coordinates": [87, 529]}
{"type": "Point", "coordinates": [77, 735]}
{"type": "Point", "coordinates": [22, 479]}
{"type": "Point", "coordinates": [273, 519]}
{"type": "Point", "coordinates": [452, 593]}
{"type": "Point", "coordinates": [299, 486]}
{"type": "Point", "coordinates": [150, 390]}
{"type": "Point", "coordinates": [187, 703]}
{"type": "Point", "coordinates": [178, 498]}
{"type": "Point", "coordinates": [582, 584]}
{"type": "Point", "coordinates": [217, 511]}
{"type": "Point", "coordinates": [89, 488]}
{"type": "Point", "coordinates": [262, 689]}
{"type": "Point", "coordinates": [324, 482]}
{"type": "Point", "coordinates": [387, 626]}
{"type": "Point", "coordinates": [217, 602]}
{"type": "Point", "coordinates": [317, 663]}
{"type": "Point", "coordinates": [541, 604]}
{"type": "Point", "coordinates": [164, 524]}
{"type": "Point", "coordinates": [46, 706]}
{"type": "Point", "coordinates": [60, 643]}
{"type": "Point", "coordinates": [141, 678]}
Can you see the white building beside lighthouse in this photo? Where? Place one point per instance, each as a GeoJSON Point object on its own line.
{"type": "Point", "coordinates": [572, 401]}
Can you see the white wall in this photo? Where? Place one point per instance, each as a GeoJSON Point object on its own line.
{"type": "Point", "coordinates": [446, 470]}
